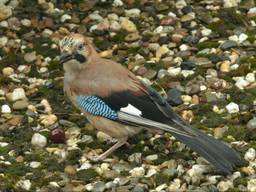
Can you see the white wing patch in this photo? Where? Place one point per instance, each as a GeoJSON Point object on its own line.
{"type": "Point", "coordinates": [130, 109]}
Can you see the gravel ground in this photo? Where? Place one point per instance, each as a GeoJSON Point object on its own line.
{"type": "Point", "coordinates": [197, 54]}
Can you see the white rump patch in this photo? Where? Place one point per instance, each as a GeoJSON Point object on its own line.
{"type": "Point", "coordinates": [131, 110]}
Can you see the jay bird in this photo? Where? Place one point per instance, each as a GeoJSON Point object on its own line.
{"type": "Point", "coordinates": [117, 103]}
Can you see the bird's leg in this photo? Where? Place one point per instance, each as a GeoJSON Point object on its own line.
{"type": "Point", "coordinates": [104, 155]}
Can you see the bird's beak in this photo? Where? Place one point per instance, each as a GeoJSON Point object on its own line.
{"type": "Point", "coordinates": [64, 57]}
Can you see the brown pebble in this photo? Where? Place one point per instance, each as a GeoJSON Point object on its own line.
{"type": "Point", "coordinates": [19, 159]}
{"type": "Point", "coordinates": [70, 170]}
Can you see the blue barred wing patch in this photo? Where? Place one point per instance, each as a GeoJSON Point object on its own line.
{"type": "Point", "coordinates": [96, 106]}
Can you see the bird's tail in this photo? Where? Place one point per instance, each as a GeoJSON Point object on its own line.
{"type": "Point", "coordinates": [224, 158]}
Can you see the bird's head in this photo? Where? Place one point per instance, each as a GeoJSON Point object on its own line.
{"type": "Point", "coordinates": [76, 48]}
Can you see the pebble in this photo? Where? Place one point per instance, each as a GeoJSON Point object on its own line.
{"type": "Point", "coordinates": [225, 186]}
{"type": "Point", "coordinates": [24, 184]}
{"type": "Point", "coordinates": [137, 172]}
{"type": "Point", "coordinates": [250, 154]}
{"type": "Point", "coordinates": [206, 32]}
{"type": "Point", "coordinates": [34, 164]}
{"type": "Point", "coordinates": [187, 65]}
{"type": "Point", "coordinates": [5, 109]}
{"type": "Point", "coordinates": [252, 12]}
{"type": "Point", "coordinates": [26, 22]}
{"type": "Point", "coordinates": [251, 123]}
{"type": "Point", "coordinates": [241, 83]}
{"type": "Point", "coordinates": [128, 25]}
{"type": "Point", "coordinates": [70, 170]}
{"type": "Point", "coordinates": [21, 104]}
{"type": "Point", "coordinates": [99, 186]}
{"type": "Point", "coordinates": [174, 97]}
{"type": "Point", "coordinates": [251, 185]}
{"type": "Point", "coordinates": [161, 51]}
{"type": "Point", "coordinates": [186, 73]}
{"type": "Point", "coordinates": [219, 132]}
{"type": "Point", "coordinates": [3, 41]}
{"type": "Point", "coordinates": [225, 66]}
{"type": "Point", "coordinates": [228, 44]}
{"type": "Point", "coordinates": [65, 17]}
{"type": "Point", "coordinates": [39, 140]}
{"type": "Point", "coordinates": [115, 26]}
{"type": "Point", "coordinates": [180, 4]}
{"type": "Point", "coordinates": [184, 47]}
{"type": "Point", "coordinates": [7, 71]}
{"type": "Point", "coordinates": [118, 3]}
{"type": "Point", "coordinates": [30, 57]}
{"type": "Point", "coordinates": [152, 157]}
{"type": "Point", "coordinates": [150, 74]}
{"type": "Point", "coordinates": [250, 77]}
{"type": "Point", "coordinates": [174, 71]}
{"type": "Point", "coordinates": [232, 108]}
{"type": "Point", "coordinates": [132, 37]}
{"type": "Point", "coordinates": [186, 99]}
{"type": "Point", "coordinates": [48, 120]}
{"type": "Point", "coordinates": [197, 170]}
{"type": "Point", "coordinates": [132, 13]}
{"type": "Point", "coordinates": [5, 12]}
{"type": "Point", "coordinates": [175, 185]}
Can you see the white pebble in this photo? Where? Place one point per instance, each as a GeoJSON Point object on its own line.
{"type": "Point", "coordinates": [132, 12]}
{"type": "Point", "coordinates": [186, 73]}
{"type": "Point", "coordinates": [4, 24]}
{"type": "Point", "coordinates": [34, 164]}
{"type": "Point", "coordinates": [206, 32]}
{"type": "Point", "coordinates": [225, 185]}
{"type": "Point", "coordinates": [173, 71]}
{"type": "Point", "coordinates": [85, 165]}
{"type": "Point", "coordinates": [117, 3]}
{"type": "Point", "coordinates": [65, 17]}
{"type": "Point", "coordinates": [3, 41]}
{"type": "Point", "coordinates": [152, 157]}
{"type": "Point", "coordinates": [250, 154]}
{"type": "Point", "coordinates": [241, 83]}
{"type": "Point", "coordinates": [251, 185]}
{"type": "Point", "coordinates": [137, 172]}
{"type": "Point", "coordinates": [232, 107]}
{"type": "Point", "coordinates": [151, 172]}
{"type": "Point", "coordinates": [24, 184]}
{"type": "Point", "coordinates": [252, 10]}
{"type": "Point", "coordinates": [38, 140]}
{"type": "Point", "coordinates": [250, 77]}
{"type": "Point", "coordinates": [26, 22]}
{"type": "Point", "coordinates": [17, 94]}
{"type": "Point", "coordinates": [242, 37]}
{"type": "Point", "coordinates": [197, 170]}
{"type": "Point", "coordinates": [231, 3]}
{"type": "Point", "coordinates": [159, 29]}
{"type": "Point", "coordinates": [180, 4]}
{"type": "Point", "coordinates": [175, 185]}
{"type": "Point", "coordinates": [95, 16]}
{"type": "Point", "coordinates": [184, 47]}
{"type": "Point", "coordinates": [5, 109]}
{"type": "Point", "coordinates": [47, 33]}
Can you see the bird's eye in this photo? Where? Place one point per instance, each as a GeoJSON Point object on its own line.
{"type": "Point", "coordinates": [80, 46]}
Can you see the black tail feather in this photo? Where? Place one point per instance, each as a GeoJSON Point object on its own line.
{"type": "Point", "coordinates": [224, 158]}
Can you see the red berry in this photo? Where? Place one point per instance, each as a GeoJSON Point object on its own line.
{"type": "Point", "coordinates": [57, 135]}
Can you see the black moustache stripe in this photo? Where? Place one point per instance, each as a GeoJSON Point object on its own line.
{"type": "Point", "coordinates": [80, 58]}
